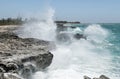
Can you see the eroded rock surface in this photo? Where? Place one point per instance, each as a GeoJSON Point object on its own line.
{"type": "Point", "coordinates": [101, 77]}
{"type": "Point", "coordinates": [22, 56]}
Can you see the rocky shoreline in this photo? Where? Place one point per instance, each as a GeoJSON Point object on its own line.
{"type": "Point", "coordinates": [22, 56]}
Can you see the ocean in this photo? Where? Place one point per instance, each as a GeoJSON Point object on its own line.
{"type": "Point", "coordinates": [99, 54]}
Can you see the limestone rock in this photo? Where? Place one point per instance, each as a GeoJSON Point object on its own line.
{"type": "Point", "coordinates": [15, 52]}
{"type": "Point", "coordinates": [10, 76]}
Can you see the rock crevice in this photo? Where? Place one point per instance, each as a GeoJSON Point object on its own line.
{"type": "Point", "coordinates": [22, 56]}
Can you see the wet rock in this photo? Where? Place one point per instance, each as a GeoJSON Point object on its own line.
{"type": "Point", "coordinates": [3, 67]}
{"type": "Point", "coordinates": [1, 75]}
{"type": "Point", "coordinates": [41, 60]}
{"type": "Point", "coordinates": [86, 77]}
{"type": "Point", "coordinates": [103, 77]}
{"type": "Point", "coordinates": [79, 36]}
{"type": "Point", "coordinates": [15, 52]}
{"type": "Point", "coordinates": [2, 70]}
{"type": "Point", "coordinates": [11, 76]}
{"type": "Point", "coordinates": [28, 70]}
{"type": "Point", "coordinates": [31, 66]}
{"type": "Point", "coordinates": [26, 73]}
{"type": "Point", "coordinates": [63, 37]}
{"type": "Point", "coordinates": [44, 61]}
{"type": "Point", "coordinates": [12, 67]}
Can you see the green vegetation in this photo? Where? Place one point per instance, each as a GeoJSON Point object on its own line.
{"type": "Point", "coordinates": [11, 21]}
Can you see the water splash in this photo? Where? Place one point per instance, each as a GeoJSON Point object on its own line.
{"type": "Point", "coordinates": [73, 61]}
{"type": "Point", "coordinates": [42, 29]}
{"type": "Point", "coordinates": [96, 32]}
{"type": "Point", "coordinates": [80, 57]}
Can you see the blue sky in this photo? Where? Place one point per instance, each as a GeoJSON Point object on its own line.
{"type": "Point", "coordinates": [88, 11]}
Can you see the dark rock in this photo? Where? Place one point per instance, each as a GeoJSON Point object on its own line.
{"type": "Point", "coordinates": [1, 75]}
{"type": "Point", "coordinates": [61, 27]}
{"type": "Point", "coordinates": [62, 34]}
{"type": "Point", "coordinates": [12, 67]}
{"type": "Point", "coordinates": [15, 52]}
{"type": "Point", "coordinates": [44, 61]}
{"type": "Point", "coordinates": [103, 77]}
{"type": "Point", "coordinates": [3, 67]}
{"type": "Point", "coordinates": [79, 36]}
{"type": "Point", "coordinates": [86, 77]}
{"type": "Point", "coordinates": [63, 37]}
{"type": "Point", "coordinates": [2, 70]}
{"type": "Point", "coordinates": [26, 73]}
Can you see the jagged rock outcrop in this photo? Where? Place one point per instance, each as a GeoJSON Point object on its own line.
{"type": "Point", "coordinates": [101, 77]}
{"type": "Point", "coordinates": [86, 77]}
{"type": "Point", "coordinates": [22, 56]}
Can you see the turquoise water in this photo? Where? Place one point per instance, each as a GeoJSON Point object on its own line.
{"type": "Point", "coordinates": [113, 45]}
{"type": "Point", "coordinates": [114, 39]}
{"type": "Point", "coordinates": [99, 54]}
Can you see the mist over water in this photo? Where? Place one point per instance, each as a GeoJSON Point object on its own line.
{"type": "Point", "coordinates": [81, 57]}
{"type": "Point", "coordinates": [78, 58]}
{"type": "Point", "coordinates": [42, 28]}
{"type": "Point", "coordinates": [96, 32]}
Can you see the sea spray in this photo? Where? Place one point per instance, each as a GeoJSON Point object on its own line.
{"type": "Point", "coordinates": [73, 60]}
{"type": "Point", "coordinates": [96, 33]}
{"type": "Point", "coordinates": [79, 58]}
{"type": "Point", "coordinates": [41, 28]}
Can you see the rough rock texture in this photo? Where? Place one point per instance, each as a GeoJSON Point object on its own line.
{"type": "Point", "coordinates": [9, 76]}
{"type": "Point", "coordinates": [101, 77]}
{"type": "Point", "coordinates": [22, 56]}
{"type": "Point", "coordinates": [86, 77]}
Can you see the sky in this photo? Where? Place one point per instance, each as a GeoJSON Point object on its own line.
{"type": "Point", "coordinates": [85, 11]}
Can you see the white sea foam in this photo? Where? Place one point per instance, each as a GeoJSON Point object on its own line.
{"type": "Point", "coordinates": [77, 59]}
{"type": "Point", "coordinates": [96, 32]}
{"type": "Point", "coordinates": [42, 29]}
{"type": "Point", "coordinates": [73, 61]}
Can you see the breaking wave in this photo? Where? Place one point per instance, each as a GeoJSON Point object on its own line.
{"type": "Point", "coordinates": [80, 57]}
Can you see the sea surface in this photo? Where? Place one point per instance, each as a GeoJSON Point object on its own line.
{"type": "Point", "coordinates": [99, 54]}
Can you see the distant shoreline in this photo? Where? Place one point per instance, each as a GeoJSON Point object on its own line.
{"type": "Point", "coordinates": [20, 21]}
